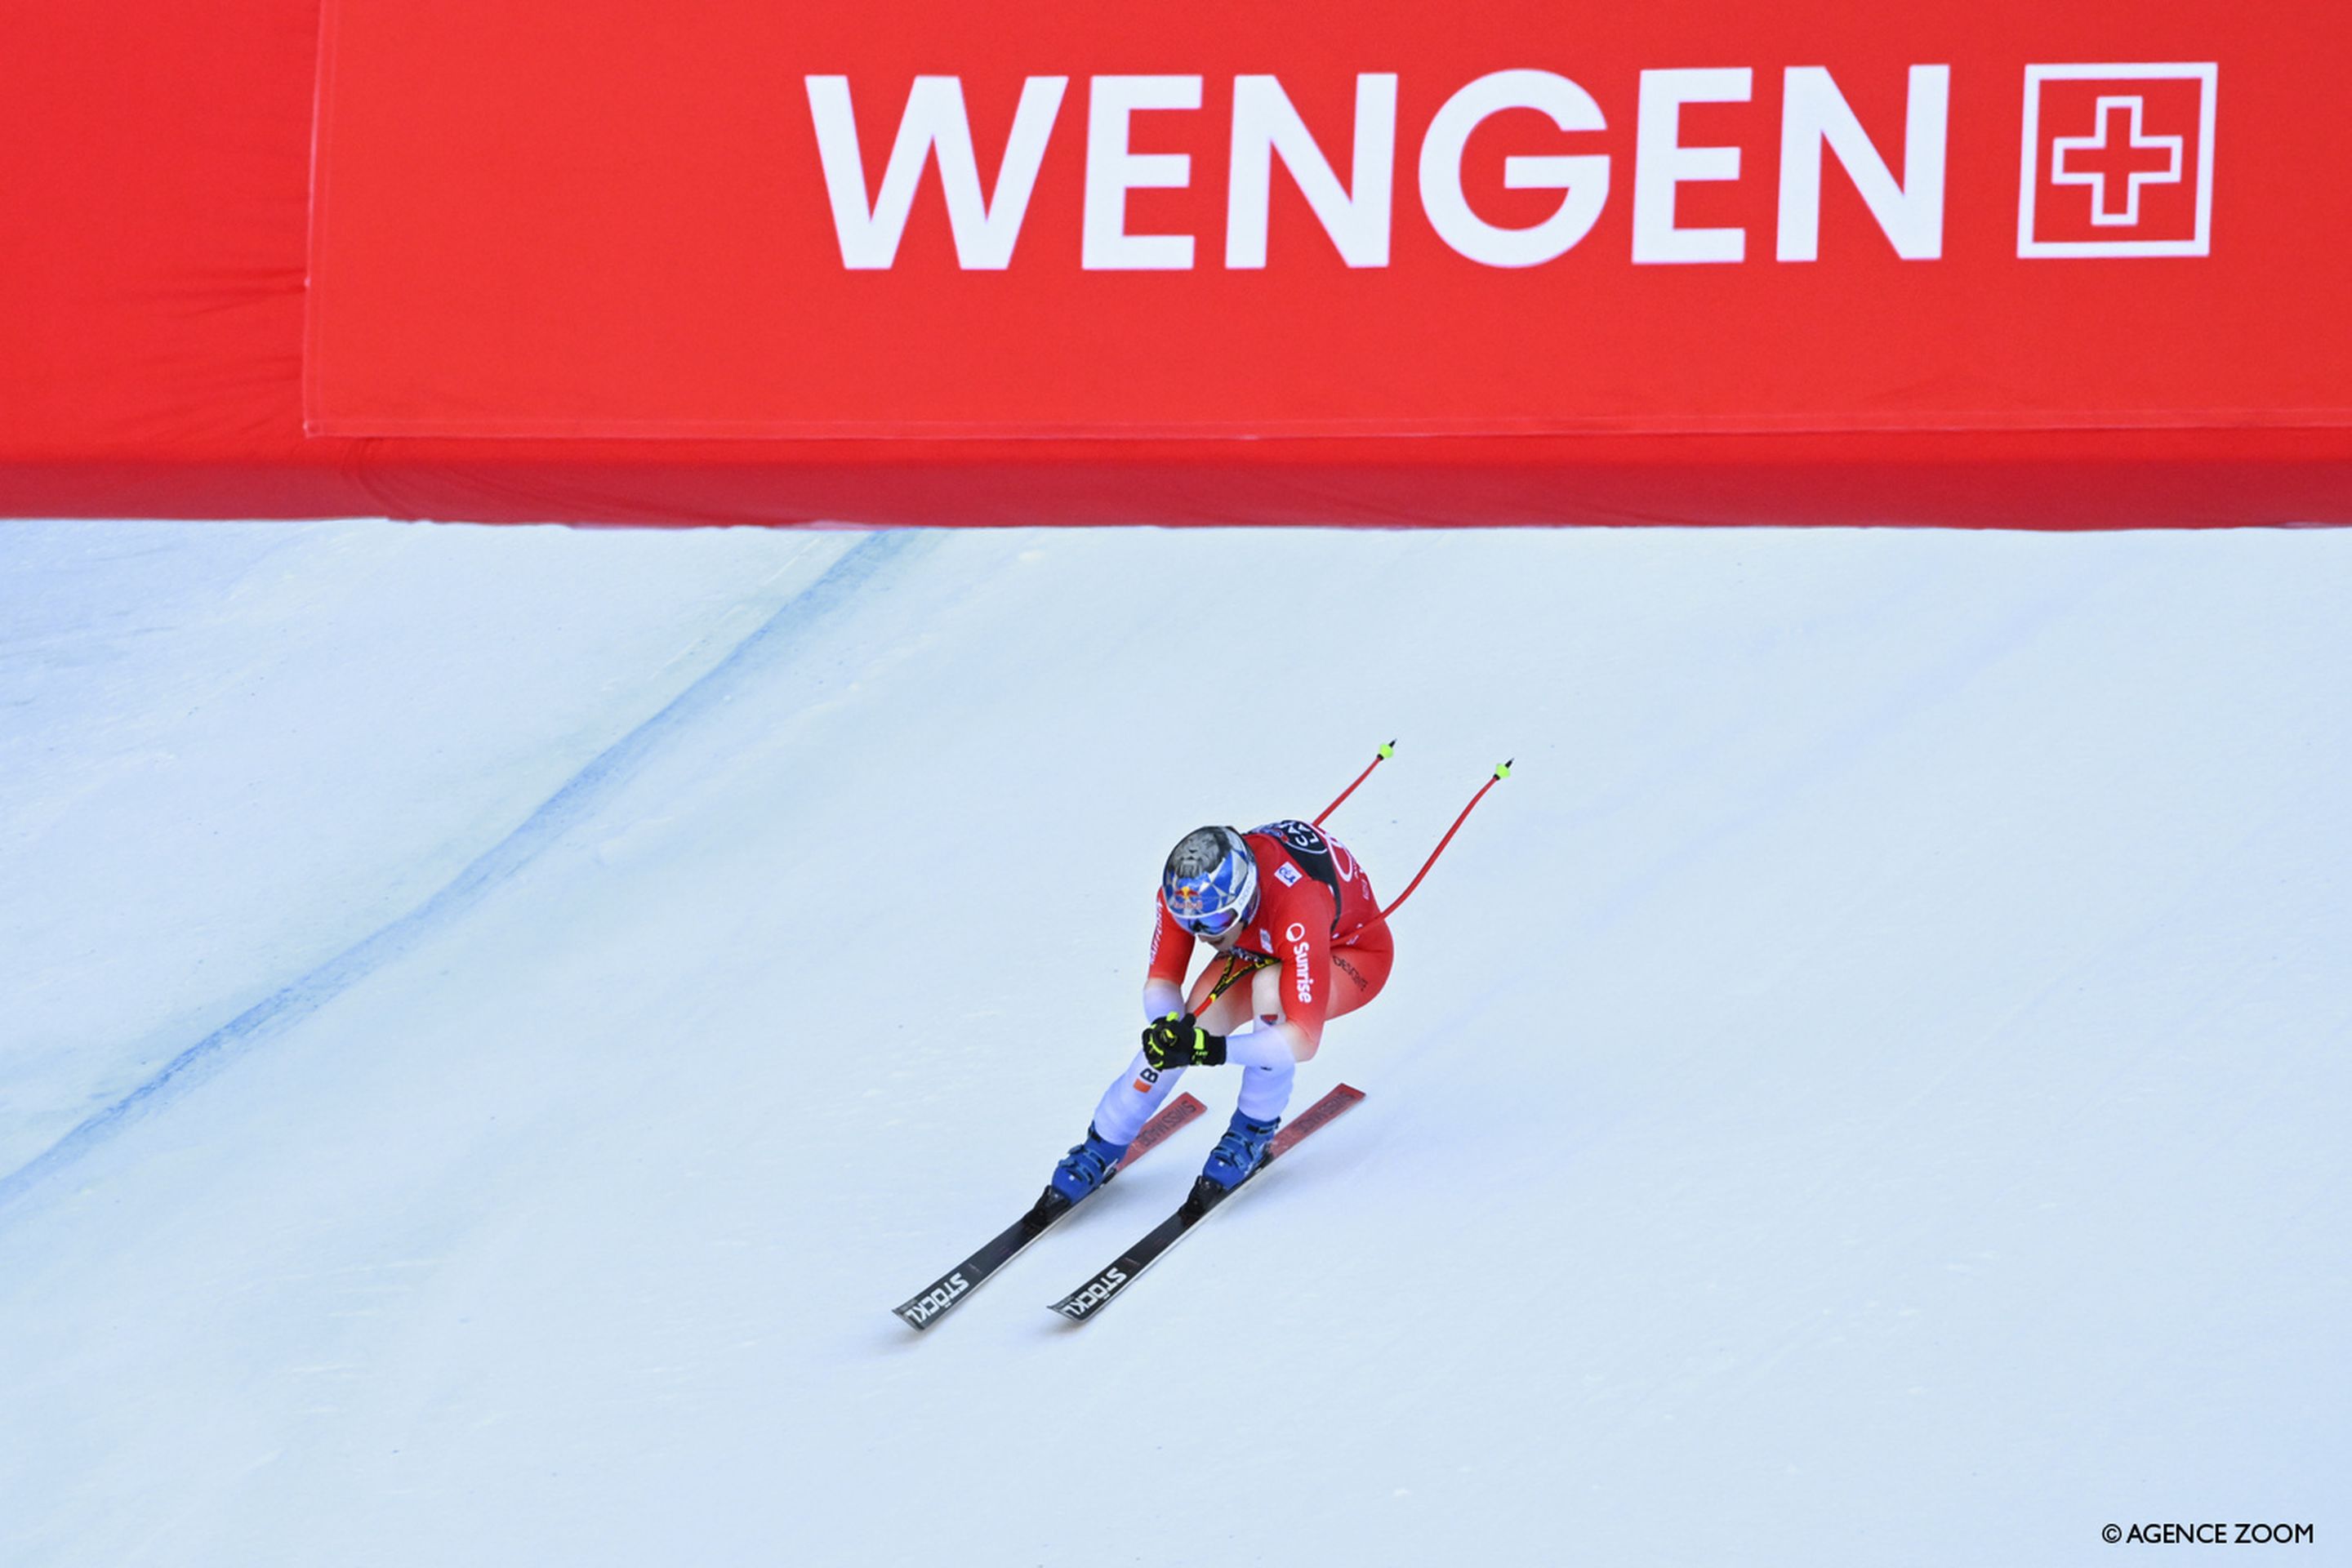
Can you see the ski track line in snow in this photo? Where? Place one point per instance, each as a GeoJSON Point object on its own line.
{"type": "Point", "coordinates": [774, 638]}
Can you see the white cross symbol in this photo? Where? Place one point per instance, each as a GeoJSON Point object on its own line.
{"type": "Point", "coordinates": [2136, 172]}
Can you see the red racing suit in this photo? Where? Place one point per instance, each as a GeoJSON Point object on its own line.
{"type": "Point", "coordinates": [1317, 920]}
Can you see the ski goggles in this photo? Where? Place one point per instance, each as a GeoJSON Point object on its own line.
{"type": "Point", "coordinates": [1214, 923]}
{"type": "Point", "coordinates": [1212, 905]}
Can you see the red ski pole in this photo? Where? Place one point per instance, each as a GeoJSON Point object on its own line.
{"type": "Point", "coordinates": [1386, 752]}
{"type": "Point", "coordinates": [1501, 773]}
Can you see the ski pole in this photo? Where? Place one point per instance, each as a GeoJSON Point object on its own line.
{"type": "Point", "coordinates": [1501, 773]}
{"type": "Point", "coordinates": [1234, 970]}
{"type": "Point", "coordinates": [1385, 753]}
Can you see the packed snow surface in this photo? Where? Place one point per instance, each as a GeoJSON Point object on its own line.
{"type": "Point", "coordinates": [492, 1020]}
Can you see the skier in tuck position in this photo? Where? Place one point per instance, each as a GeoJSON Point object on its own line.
{"type": "Point", "coordinates": [1295, 937]}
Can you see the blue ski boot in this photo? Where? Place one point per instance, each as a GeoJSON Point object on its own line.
{"type": "Point", "coordinates": [1087, 1166]}
{"type": "Point", "coordinates": [1239, 1152]}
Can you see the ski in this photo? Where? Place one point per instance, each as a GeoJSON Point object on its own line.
{"type": "Point", "coordinates": [943, 1295]}
{"type": "Point", "coordinates": [1106, 1286]}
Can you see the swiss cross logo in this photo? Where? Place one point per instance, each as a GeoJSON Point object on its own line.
{"type": "Point", "coordinates": [2118, 161]}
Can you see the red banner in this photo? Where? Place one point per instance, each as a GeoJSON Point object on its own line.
{"type": "Point", "coordinates": [741, 219]}
{"type": "Point", "coordinates": [1978, 263]}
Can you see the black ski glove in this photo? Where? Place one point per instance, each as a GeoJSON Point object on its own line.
{"type": "Point", "coordinates": [1178, 1041]}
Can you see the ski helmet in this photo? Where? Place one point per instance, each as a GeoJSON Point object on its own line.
{"type": "Point", "coordinates": [1211, 882]}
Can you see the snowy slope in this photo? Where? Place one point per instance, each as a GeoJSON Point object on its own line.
{"type": "Point", "coordinates": [1871, 1088]}
{"type": "Point", "coordinates": [229, 754]}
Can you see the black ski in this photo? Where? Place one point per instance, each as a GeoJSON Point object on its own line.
{"type": "Point", "coordinates": [943, 1295]}
{"type": "Point", "coordinates": [1206, 1197]}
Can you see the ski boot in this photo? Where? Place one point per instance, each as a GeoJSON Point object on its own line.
{"type": "Point", "coordinates": [1237, 1154]}
{"type": "Point", "coordinates": [1087, 1166]}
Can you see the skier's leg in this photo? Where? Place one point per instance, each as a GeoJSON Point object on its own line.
{"type": "Point", "coordinates": [1231, 1010]}
{"type": "Point", "coordinates": [1131, 1098]}
{"type": "Point", "coordinates": [1135, 1094]}
{"type": "Point", "coordinates": [1228, 1013]}
{"type": "Point", "coordinates": [1266, 1090]}
{"type": "Point", "coordinates": [1360, 969]}
{"type": "Point", "coordinates": [1266, 1085]}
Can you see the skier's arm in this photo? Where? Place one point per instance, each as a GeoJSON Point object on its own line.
{"type": "Point", "coordinates": [1177, 1040]}
{"type": "Point", "coordinates": [1269, 1044]}
{"type": "Point", "coordinates": [1172, 950]}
